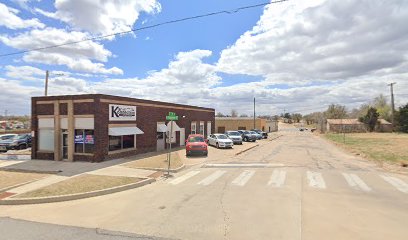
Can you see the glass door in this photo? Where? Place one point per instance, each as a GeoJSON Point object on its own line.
{"type": "Point", "coordinates": [64, 145]}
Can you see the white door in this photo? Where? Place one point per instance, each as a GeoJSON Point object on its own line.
{"type": "Point", "coordinates": [208, 129]}
{"type": "Point", "coordinates": [182, 136]}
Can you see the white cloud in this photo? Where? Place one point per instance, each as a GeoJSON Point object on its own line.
{"type": "Point", "coordinates": [20, 95]}
{"type": "Point", "coordinates": [322, 40]}
{"type": "Point", "coordinates": [24, 73]}
{"type": "Point", "coordinates": [75, 56]}
{"type": "Point", "coordinates": [101, 16]}
{"type": "Point", "coordinates": [9, 19]}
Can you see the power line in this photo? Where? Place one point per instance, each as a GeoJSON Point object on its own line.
{"type": "Point", "coordinates": [146, 27]}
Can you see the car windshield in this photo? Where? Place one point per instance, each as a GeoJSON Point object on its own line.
{"type": "Point", "coordinates": [196, 139]}
{"type": "Point", "coordinates": [252, 132]}
{"type": "Point", "coordinates": [221, 137]}
{"type": "Point", "coordinates": [234, 133]}
{"type": "Point", "coordinates": [8, 137]}
{"type": "Point", "coordinates": [21, 137]}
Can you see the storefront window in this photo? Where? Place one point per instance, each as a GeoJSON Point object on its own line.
{"type": "Point", "coordinates": [128, 141]}
{"type": "Point", "coordinates": [193, 128]}
{"type": "Point", "coordinates": [84, 141]}
{"type": "Point", "coordinates": [202, 128]}
{"type": "Point", "coordinates": [121, 142]}
{"type": "Point", "coordinates": [46, 139]}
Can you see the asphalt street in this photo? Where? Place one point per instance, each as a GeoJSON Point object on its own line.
{"type": "Point", "coordinates": [298, 186]}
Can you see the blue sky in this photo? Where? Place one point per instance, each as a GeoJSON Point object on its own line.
{"type": "Point", "coordinates": [293, 55]}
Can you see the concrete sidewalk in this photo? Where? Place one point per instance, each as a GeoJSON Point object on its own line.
{"type": "Point", "coordinates": [122, 171]}
{"type": "Point", "coordinates": [37, 184]}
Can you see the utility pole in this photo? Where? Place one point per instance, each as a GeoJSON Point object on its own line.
{"type": "Point", "coordinates": [392, 104]}
{"type": "Point", "coordinates": [254, 113]}
{"type": "Point", "coordinates": [46, 83]}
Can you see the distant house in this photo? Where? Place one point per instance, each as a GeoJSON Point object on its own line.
{"type": "Point", "coordinates": [355, 126]}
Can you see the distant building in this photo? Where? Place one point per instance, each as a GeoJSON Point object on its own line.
{"type": "Point", "coordinates": [223, 124]}
{"type": "Point", "coordinates": [355, 126]}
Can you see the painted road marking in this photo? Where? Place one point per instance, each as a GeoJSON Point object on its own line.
{"type": "Point", "coordinates": [355, 182]}
{"type": "Point", "coordinates": [243, 165]}
{"type": "Point", "coordinates": [184, 177]}
{"type": "Point", "coordinates": [243, 178]}
{"type": "Point", "coordinates": [278, 178]}
{"type": "Point", "coordinates": [397, 183]}
{"type": "Point", "coordinates": [316, 180]}
{"type": "Point", "coordinates": [210, 179]}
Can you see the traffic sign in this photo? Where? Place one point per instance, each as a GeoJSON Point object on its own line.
{"type": "Point", "coordinates": [172, 117]}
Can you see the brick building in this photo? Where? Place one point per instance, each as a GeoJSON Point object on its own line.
{"type": "Point", "coordinates": [96, 127]}
{"type": "Point", "coordinates": [355, 126]}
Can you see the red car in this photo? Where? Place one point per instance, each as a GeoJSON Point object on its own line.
{"type": "Point", "coordinates": [196, 144]}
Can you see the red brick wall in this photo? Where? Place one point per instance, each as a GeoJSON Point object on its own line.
{"type": "Point", "coordinates": [146, 119]}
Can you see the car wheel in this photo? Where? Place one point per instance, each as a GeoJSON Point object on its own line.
{"type": "Point", "coordinates": [187, 154]}
{"type": "Point", "coordinates": [21, 147]}
{"type": "Point", "coordinates": [217, 146]}
{"type": "Point", "coordinates": [246, 139]}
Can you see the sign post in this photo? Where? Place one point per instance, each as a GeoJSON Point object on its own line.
{"type": "Point", "coordinates": [171, 117]}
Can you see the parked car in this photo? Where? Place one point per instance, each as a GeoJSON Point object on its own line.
{"type": "Point", "coordinates": [196, 144]}
{"type": "Point", "coordinates": [220, 141]}
{"type": "Point", "coordinates": [257, 135]}
{"type": "Point", "coordinates": [234, 136]}
{"type": "Point", "coordinates": [263, 134]}
{"type": "Point", "coordinates": [247, 136]}
{"type": "Point", "coordinates": [15, 141]}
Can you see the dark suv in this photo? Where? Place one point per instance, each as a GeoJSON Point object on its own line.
{"type": "Point", "coordinates": [15, 141]}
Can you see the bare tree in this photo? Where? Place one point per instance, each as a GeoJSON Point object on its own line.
{"type": "Point", "coordinates": [234, 113]}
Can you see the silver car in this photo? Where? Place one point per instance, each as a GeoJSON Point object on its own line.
{"type": "Point", "coordinates": [220, 141]}
{"type": "Point", "coordinates": [235, 136]}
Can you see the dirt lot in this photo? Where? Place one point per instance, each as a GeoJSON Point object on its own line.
{"type": "Point", "coordinates": [80, 184]}
{"type": "Point", "coordinates": [387, 147]}
{"type": "Point", "coordinates": [158, 161]}
{"type": "Point", "coordinates": [8, 179]}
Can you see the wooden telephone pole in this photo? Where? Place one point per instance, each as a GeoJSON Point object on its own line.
{"type": "Point", "coordinates": [392, 104]}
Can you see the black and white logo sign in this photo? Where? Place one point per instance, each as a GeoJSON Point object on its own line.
{"type": "Point", "coordinates": [122, 113]}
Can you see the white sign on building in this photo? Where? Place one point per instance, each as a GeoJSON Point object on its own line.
{"type": "Point", "coordinates": [122, 113]}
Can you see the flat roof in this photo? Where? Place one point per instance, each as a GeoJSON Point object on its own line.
{"type": "Point", "coordinates": [113, 97]}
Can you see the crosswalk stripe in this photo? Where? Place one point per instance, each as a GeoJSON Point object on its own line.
{"type": "Point", "coordinates": [355, 182]}
{"type": "Point", "coordinates": [184, 177]}
{"type": "Point", "coordinates": [210, 179]}
{"type": "Point", "coordinates": [243, 178]}
{"type": "Point", "coordinates": [397, 183]}
{"type": "Point", "coordinates": [278, 178]}
{"type": "Point", "coordinates": [316, 180]}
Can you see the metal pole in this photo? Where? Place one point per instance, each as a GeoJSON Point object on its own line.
{"type": "Point", "coordinates": [254, 114]}
{"type": "Point", "coordinates": [392, 104]}
{"type": "Point", "coordinates": [46, 83]}
{"type": "Point", "coordinates": [170, 137]}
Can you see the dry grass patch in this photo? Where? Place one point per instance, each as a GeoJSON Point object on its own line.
{"type": "Point", "coordinates": [9, 179]}
{"type": "Point", "coordinates": [80, 184]}
{"type": "Point", "coordinates": [158, 161]}
{"type": "Point", "coordinates": [388, 147]}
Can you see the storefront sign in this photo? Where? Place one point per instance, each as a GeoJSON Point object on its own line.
{"type": "Point", "coordinates": [122, 113]}
{"type": "Point", "coordinates": [79, 139]}
{"type": "Point", "coordinates": [89, 139]}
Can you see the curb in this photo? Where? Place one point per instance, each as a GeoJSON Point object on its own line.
{"type": "Point", "coordinates": [7, 169]}
{"type": "Point", "coordinates": [15, 157]}
{"type": "Point", "coordinates": [164, 169]}
{"type": "Point", "coordinates": [238, 153]}
{"type": "Point", "coordinates": [70, 197]}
